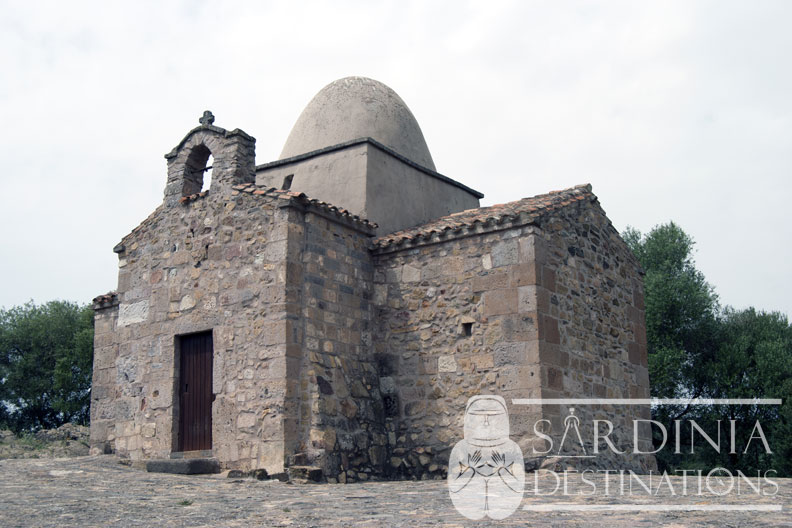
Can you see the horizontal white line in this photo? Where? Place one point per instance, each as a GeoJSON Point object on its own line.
{"type": "Point", "coordinates": [646, 401]}
{"type": "Point", "coordinates": [653, 507]}
{"type": "Point", "coordinates": [569, 456]}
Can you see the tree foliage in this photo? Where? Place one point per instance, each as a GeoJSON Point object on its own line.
{"type": "Point", "coordinates": [681, 311]}
{"type": "Point", "coordinates": [698, 350]}
{"type": "Point", "coordinates": [46, 360]}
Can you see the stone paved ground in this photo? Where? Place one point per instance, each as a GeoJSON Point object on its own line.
{"type": "Point", "coordinates": [98, 491]}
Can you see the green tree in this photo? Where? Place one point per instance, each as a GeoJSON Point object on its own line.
{"type": "Point", "coordinates": [681, 312]}
{"type": "Point", "coordinates": [46, 359]}
{"type": "Point", "coordinates": [754, 360]}
{"type": "Point", "coordinates": [698, 350]}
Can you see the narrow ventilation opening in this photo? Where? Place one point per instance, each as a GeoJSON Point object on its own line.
{"type": "Point", "coordinates": [467, 329]}
{"type": "Point", "coordinates": [287, 181]}
{"type": "Point", "coordinates": [391, 404]}
{"type": "Point", "coordinates": [207, 174]}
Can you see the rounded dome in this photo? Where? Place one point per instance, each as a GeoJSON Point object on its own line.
{"type": "Point", "coordinates": [353, 108]}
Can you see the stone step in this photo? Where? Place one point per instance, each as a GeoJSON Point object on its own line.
{"type": "Point", "coordinates": [192, 454]}
{"type": "Point", "coordinates": [184, 466]}
{"type": "Point", "coordinates": [305, 473]}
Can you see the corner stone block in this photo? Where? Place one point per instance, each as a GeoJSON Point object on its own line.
{"type": "Point", "coordinates": [526, 299]}
{"type": "Point", "coordinates": [246, 420]}
{"type": "Point", "coordinates": [132, 313]}
{"type": "Point", "coordinates": [516, 378]}
{"type": "Point", "coordinates": [410, 273]}
{"type": "Point", "coordinates": [640, 334]}
{"type": "Point", "coordinates": [553, 354]}
{"type": "Point", "coordinates": [505, 253]}
{"type": "Point", "coordinates": [525, 274]}
{"type": "Point", "coordinates": [548, 330]}
{"type": "Point", "coordinates": [548, 278]}
{"type": "Point", "coordinates": [273, 333]}
{"type": "Point", "coordinates": [105, 357]}
{"type": "Point", "coordinates": [533, 248]}
{"type": "Point", "coordinates": [638, 296]}
{"type": "Point", "coordinates": [634, 354]}
{"type": "Point", "coordinates": [520, 327]}
{"type": "Point", "coordinates": [500, 302]}
{"type": "Point", "coordinates": [510, 354]}
{"type": "Point", "coordinates": [491, 281]}
{"type": "Point", "coordinates": [553, 378]}
{"type": "Point", "coordinates": [642, 376]}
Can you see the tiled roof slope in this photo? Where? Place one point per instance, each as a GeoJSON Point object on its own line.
{"type": "Point", "coordinates": [485, 219]}
{"type": "Point", "coordinates": [302, 199]}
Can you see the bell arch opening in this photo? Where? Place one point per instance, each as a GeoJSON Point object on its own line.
{"type": "Point", "coordinates": [197, 170]}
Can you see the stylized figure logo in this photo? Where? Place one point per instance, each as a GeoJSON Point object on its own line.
{"type": "Point", "coordinates": [572, 422]}
{"type": "Point", "coordinates": [486, 472]}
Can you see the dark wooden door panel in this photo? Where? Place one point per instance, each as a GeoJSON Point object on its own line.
{"type": "Point", "coordinates": [195, 392]}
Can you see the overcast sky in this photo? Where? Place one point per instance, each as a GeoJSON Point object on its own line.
{"type": "Point", "coordinates": [672, 111]}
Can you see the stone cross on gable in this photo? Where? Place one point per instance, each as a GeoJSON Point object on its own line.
{"type": "Point", "coordinates": [207, 119]}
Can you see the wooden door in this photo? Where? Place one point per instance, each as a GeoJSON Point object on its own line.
{"type": "Point", "coordinates": [195, 392]}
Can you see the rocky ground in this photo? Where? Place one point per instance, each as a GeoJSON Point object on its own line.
{"type": "Point", "coordinates": [103, 491]}
{"type": "Point", "coordinates": [66, 441]}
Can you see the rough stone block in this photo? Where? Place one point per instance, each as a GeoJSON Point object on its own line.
{"type": "Point", "coordinates": [133, 313]}
{"type": "Point", "coordinates": [246, 420]}
{"type": "Point", "coordinates": [505, 253]}
{"type": "Point", "coordinates": [510, 354]}
{"type": "Point", "coordinates": [410, 273]}
{"type": "Point", "coordinates": [495, 280]}
{"type": "Point", "coordinates": [446, 364]}
{"type": "Point", "coordinates": [482, 361]}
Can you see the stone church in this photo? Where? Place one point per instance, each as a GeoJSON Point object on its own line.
{"type": "Point", "coordinates": [337, 307]}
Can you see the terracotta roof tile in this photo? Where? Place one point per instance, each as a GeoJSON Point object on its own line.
{"type": "Point", "coordinates": [302, 199]}
{"type": "Point", "coordinates": [192, 197]}
{"type": "Point", "coordinates": [521, 212]}
{"type": "Point", "coordinates": [105, 301]}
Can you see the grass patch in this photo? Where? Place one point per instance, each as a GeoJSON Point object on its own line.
{"type": "Point", "coordinates": [29, 440]}
{"type": "Point", "coordinates": [185, 502]}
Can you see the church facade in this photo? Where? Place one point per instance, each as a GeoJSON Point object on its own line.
{"type": "Point", "coordinates": [336, 308]}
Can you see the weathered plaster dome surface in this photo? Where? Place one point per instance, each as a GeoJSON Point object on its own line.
{"type": "Point", "coordinates": [353, 108]}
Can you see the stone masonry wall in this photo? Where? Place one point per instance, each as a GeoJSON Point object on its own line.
{"type": "Point", "coordinates": [340, 414]}
{"type": "Point", "coordinates": [592, 331]}
{"type": "Point", "coordinates": [426, 300]}
{"type": "Point", "coordinates": [360, 359]}
{"type": "Point", "coordinates": [541, 324]}
{"type": "Point", "coordinates": [103, 385]}
{"type": "Point", "coordinates": [208, 264]}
